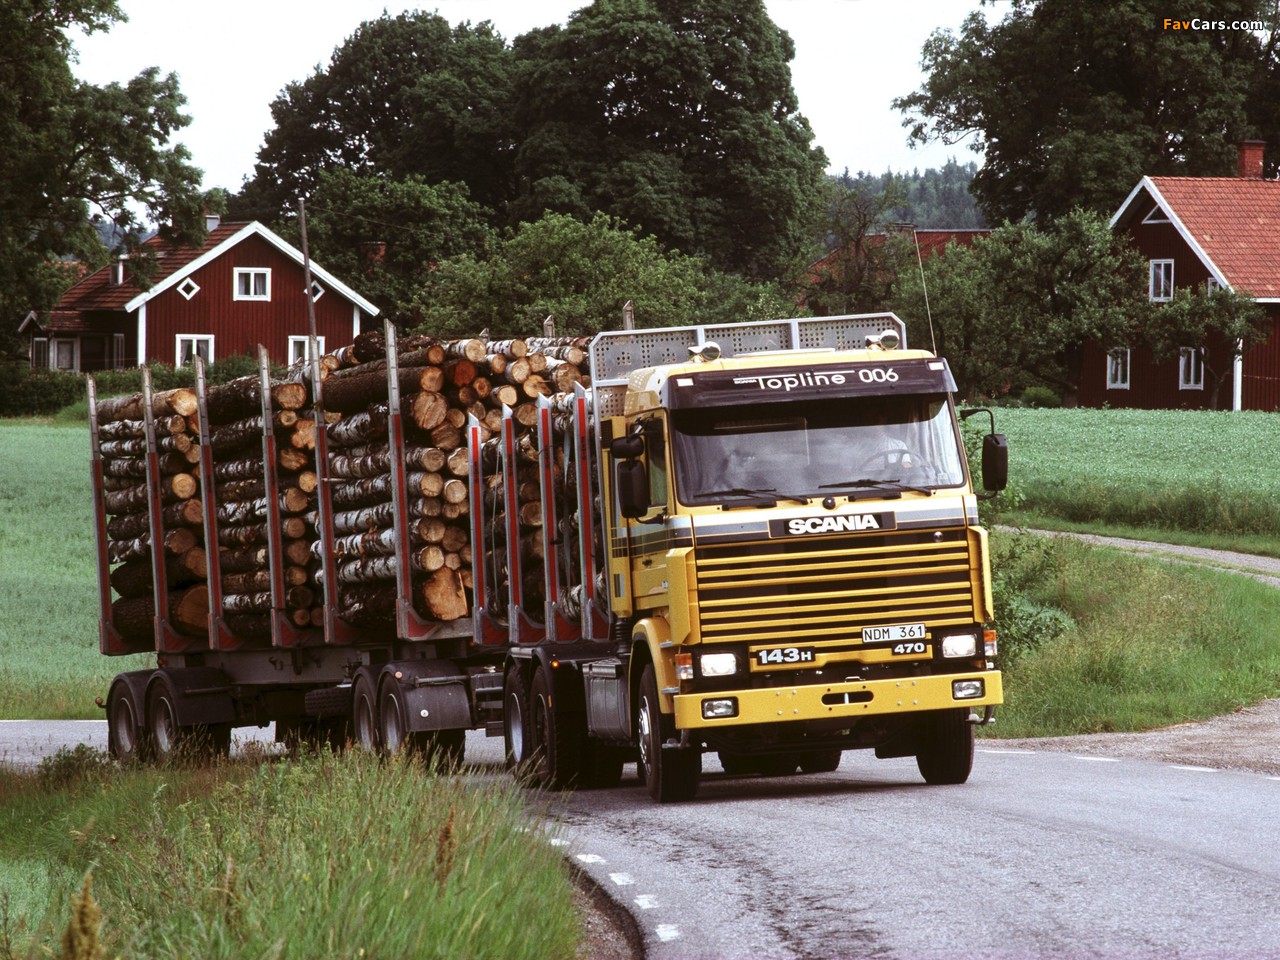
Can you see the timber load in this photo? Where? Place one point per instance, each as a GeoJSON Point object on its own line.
{"type": "Point", "coordinates": [239, 515]}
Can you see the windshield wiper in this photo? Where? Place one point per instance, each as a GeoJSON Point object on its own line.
{"type": "Point", "coordinates": [767, 492]}
{"type": "Point", "coordinates": [868, 483]}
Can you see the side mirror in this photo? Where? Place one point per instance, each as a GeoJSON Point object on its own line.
{"type": "Point", "coordinates": [627, 447]}
{"type": "Point", "coordinates": [995, 462]}
{"type": "Point", "coordinates": [633, 489]}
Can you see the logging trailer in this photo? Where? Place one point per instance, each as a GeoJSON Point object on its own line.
{"type": "Point", "coordinates": [759, 539]}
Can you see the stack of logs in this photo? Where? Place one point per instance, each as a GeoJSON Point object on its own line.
{"type": "Point", "coordinates": [236, 428]}
{"type": "Point", "coordinates": [441, 384]}
{"type": "Point", "coordinates": [123, 446]}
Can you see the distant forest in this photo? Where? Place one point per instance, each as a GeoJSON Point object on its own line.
{"type": "Point", "coordinates": [934, 199]}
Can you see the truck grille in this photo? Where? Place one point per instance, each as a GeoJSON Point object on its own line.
{"type": "Point", "coordinates": [829, 588]}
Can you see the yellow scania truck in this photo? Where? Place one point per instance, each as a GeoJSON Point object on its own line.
{"type": "Point", "coordinates": [758, 540]}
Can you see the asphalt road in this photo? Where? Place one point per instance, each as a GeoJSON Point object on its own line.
{"type": "Point", "coordinates": [1041, 854]}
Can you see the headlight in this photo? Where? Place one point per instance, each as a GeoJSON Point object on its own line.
{"type": "Point", "coordinates": [960, 645]}
{"type": "Point", "coordinates": [718, 664]}
{"type": "Point", "coordinates": [967, 689]}
{"type": "Point", "coordinates": [719, 709]}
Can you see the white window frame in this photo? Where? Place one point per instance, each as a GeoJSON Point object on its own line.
{"type": "Point", "coordinates": [196, 339]}
{"type": "Point", "coordinates": [1191, 368]}
{"type": "Point", "coordinates": [1118, 369]}
{"type": "Point", "coordinates": [54, 343]}
{"type": "Point", "coordinates": [117, 351]}
{"type": "Point", "coordinates": [188, 288]}
{"type": "Point", "coordinates": [1160, 281]}
{"type": "Point", "coordinates": [1156, 216]}
{"type": "Point", "coordinates": [317, 291]}
{"type": "Point", "coordinates": [1211, 285]}
{"type": "Point", "coordinates": [41, 357]}
{"type": "Point", "coordinates": [298, 348]}
{"type": "Point", "coordinates": [251, 272]}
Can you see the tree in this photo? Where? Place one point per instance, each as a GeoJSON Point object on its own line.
{"type": "Point", "coordinates": [1219, 326]}
{"type": "Point", "coordinates": [385, 236]}
{"type": "Point", "coordinates": [73, 151]}
{"type": "Point", "coordinates": [582, 274]}
{"type": "Point", "coordinates": [677, 117]}
{"type": "Point", "coordinates": [861, 271]}
{"type": "Point", "coordinates": [404, 96]}
{"type": "Point", "coordinates": [1072, 104]}
{"type": "Point", "coordinates": [1018, 307]}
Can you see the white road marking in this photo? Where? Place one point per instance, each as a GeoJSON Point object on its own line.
{"type": "Point", "coordinates": [1098, 759]}
{"type": "Point", "coordinates": [559, 842]}
{"type": "Point", "coordinates": [591, 858]}
{"type": "Point", "coordinates": [622, 879]}
{"type": "Point", "coordinates": [667, 932]}
{"type": "Point", "coordinates": [1009, 753]}
{"type": "Point", "coordinates": [1195, 769]}
{"type": "Point", "coordinates": [646, 901]}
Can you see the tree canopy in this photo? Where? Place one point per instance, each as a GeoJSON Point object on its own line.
{"type": "Point", "coordinates": [1071, 104]}
{"type": "Point", "coordinates": [74, 151]}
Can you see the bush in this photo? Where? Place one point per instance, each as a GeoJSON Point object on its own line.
{"type": "Point", "coordinates": [25, 392]}
{"type": "Point", "coordinates": [1024, 565]}
{"type": "Point", "coordinates": [1041, 397]}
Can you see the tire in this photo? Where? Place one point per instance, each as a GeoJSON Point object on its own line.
{"type": "Point", "coordinates": [364, 714]}
{"type": "Point", "coordinates": [603, 766]}
{"type": "Point", "coordinates": [169, 741]}
{"type": "Point", "coordinates": [558, 739]}
{"type": "Point", "coordinates": [127, 740]}
{"type": "Point", "coordinates": [393, 724]}
{"type": "Point", "coordinates": [515, 723]}
{"type": "Point", "coordinates": [670, 775]}
{"type": "Point", "coordinates": [820, 761]}
{"type": "Point", "coordinates": [945, 755]}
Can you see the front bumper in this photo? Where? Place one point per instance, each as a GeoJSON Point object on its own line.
{"type": "Point", "coordinates": [821, 701]}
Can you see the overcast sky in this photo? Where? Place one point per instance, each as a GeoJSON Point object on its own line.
{"type": "Point", "coordinates": [852, 58]}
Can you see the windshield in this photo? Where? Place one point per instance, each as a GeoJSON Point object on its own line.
{"type": "Point", "coordinates": [815, 448]}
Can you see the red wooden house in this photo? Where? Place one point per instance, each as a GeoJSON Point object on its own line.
{"type": "Point", "coordinates": [1198, 233]}
{"type": "Point", "coordinates": [245, 286]}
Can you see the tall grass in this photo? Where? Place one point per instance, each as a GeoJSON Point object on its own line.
{"type": "Point", "coordinates": [1197, 471]}
{"type": "Point", "coordinates": [325, 856]}
{"type": "Point", "coordinates": [1140, 643]}
{"type": "Point", "coordinates": [49, 660]}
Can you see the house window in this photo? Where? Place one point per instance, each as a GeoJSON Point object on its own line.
{"type": "Point", "coordinates": [188, 288]}
{"type": "Point", "coordinates": [1190, 368]}
{"type": "Point", "coordinates": [253, 283]}
{"type": "Point", "coordinates": [1161, 280]}
{"type": "Point", "coordinates": [1156, 216]}
{"type": "Point", "coordinates": [190, 346]}
{"type": "Point", "coordinates": [317, 291]}
{"type": "Point", "coordinates": [117, 350]}
{"type": "Point", "coordinates": [298, 348]}
{"type": "Point", "coordinates": [65, 355]}
{"type": "Point", "coordinates": [1212, 285]}
{"type": "Point", "coordinates": [40, 353]}
{"type": "Point", "coordinates": [1118, 369]}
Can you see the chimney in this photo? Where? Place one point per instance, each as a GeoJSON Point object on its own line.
{"type": "Point", "coordinates": [1249, 159]}
{"type": "Point", "coordinates": [212, 220]}
{"type": "Point", "coordinates": [117, 272]}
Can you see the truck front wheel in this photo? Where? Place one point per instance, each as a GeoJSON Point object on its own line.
{"type": "Point", "coordinates": [670, 775]}
{"type": "Point", "coordinates": [945, 755]}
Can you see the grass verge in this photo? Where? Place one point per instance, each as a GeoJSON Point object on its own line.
{"type": "Point", "coordinates": [324, 856]}
{"type": "Point", "coordinates": [1122, 643]}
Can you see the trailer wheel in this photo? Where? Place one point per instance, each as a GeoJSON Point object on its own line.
{"type": "Point", "coordinates": [820, 761]}
{"type": "Point", "coordinates": [670, 775]}
{"type": "Point", "coordinates": [559, 739]}
{"type": "Point", "coordinates": [169, 741]}
{"type": "Point", "coordinates": [515, 723]}
{"type": "Point", "coordinates": [364, 718]}
{"type": "Point", "coordinates": [127, 740]}
{"type": "Point", "coordinates": [393, 725]}
{"type": "Point", "coordinates": [945, 755]}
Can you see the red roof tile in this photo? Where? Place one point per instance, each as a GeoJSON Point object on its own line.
{"type": "Point", "coordinates": [97, 292]}
{"type": "Point", "coordinates": [1236, 223]}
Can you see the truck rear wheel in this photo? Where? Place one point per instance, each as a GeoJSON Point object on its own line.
{"type": "Point", "coordinates": [393, 725]}
{"type": "Point", "coordinates": [945, 755]}
{"type": "Point", "coordinates": [364, 713]}
{"type": "Point", "coordinates": [515, 723]}
{"type": "Point", "coordinates": [558, 739]}
{"type": "Point", "coordinates": [126, 738]}
{"type": "Point", "coordinates": [820, 761]}
{"type": "Point", "coordinates": [669, 775]}
{"type": "Point", "coordinates": [171, 741]}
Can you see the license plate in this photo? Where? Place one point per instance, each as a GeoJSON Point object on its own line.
{"type": "Point", "coordinates": [783, 655]}
{"type": "Point", "coordinates": [893, 633]}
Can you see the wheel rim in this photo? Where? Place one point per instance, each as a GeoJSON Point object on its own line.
{"type": "Point", "coordinates": [644, 721]}
{"type": "Point", "coordinates": [539, 722]}
{"type": "Point", "coordinates": [163, 730]}
{"type": "Point", "coordinates": [392, 728]}
{"type": "Point", "coordinates": [365, 732]}
{"type": "Point", "coordinates": [515, 729]}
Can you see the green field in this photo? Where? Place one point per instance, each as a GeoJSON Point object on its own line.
{"type": "Point", "coordinates": [1177, 474]}
{"type": "Point", "coordinates": [49, 660]}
